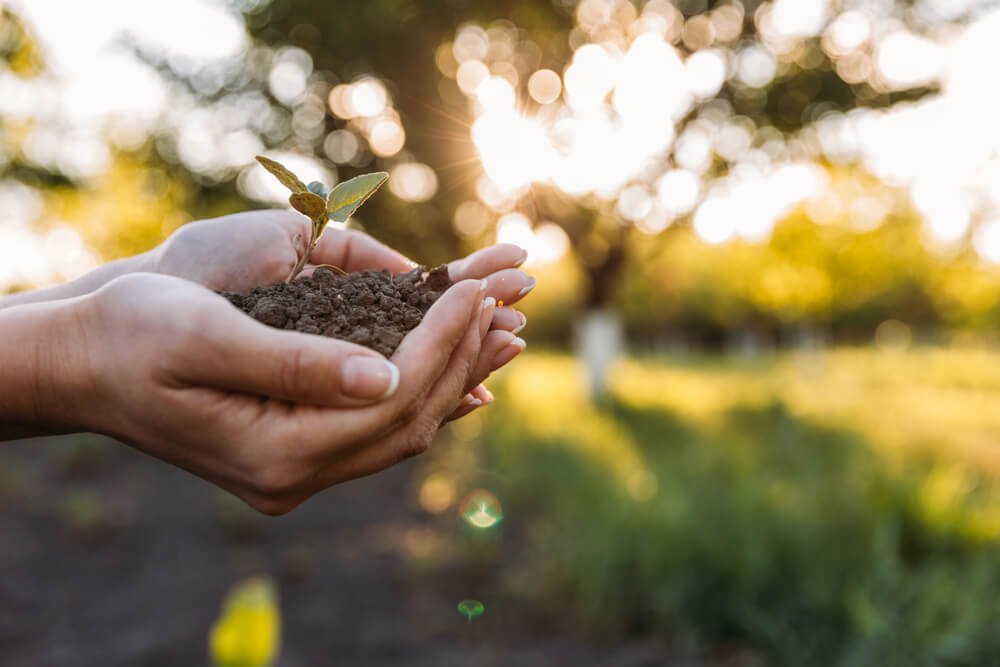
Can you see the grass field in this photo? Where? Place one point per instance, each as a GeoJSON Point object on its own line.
{"type": "Point", "coordinates": [835, 508]}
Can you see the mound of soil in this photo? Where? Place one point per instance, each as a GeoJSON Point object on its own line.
{"type": "Point", "coordinates": [373, 308]}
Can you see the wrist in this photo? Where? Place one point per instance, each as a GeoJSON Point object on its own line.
{"type": "Point", "coordinates": [47, 384]}
{"type": "Point", "coordinates": [85, 284]}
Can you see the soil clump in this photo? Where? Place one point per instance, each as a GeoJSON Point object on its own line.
{"type": "Point", "coordinates": [372, 308]}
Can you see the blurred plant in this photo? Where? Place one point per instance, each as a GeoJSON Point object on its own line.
{"type": "Point", "coordinates": [320, 207]}
{"type": "Point", "coordinates": [721, 503]}
{"type": "Point", "coordinates": [238, 521]}
{"type": "Point", "coordinates": [471, 609]}
{"type": "Point", "coordinates": [88, 515]}
{"type": "Point", "coordinates": [82, 454]}
{"type": "Point", "coordinates": [248, 631]}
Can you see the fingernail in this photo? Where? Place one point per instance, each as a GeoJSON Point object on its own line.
{"type": "Point", "coordinates": [524, 322]}
{"type": "Point", "coordinates": [524, 257]}
{"type": "Point", "coordinates": [489, 395]}
{"type": "Point", "coordinates": [482, 286]}
{"type": "Point", "coordinates": [369, 378]}
{"type": "Point", "coordinates": [518, 342]}
{"type": "Point", "coordinates": [486, 315]}
{"type": "Point", "coordinates": [529, 287]}
{"type": "Point", "coordinates": [475, 402]}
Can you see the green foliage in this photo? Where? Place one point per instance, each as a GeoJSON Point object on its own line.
{"type": "Point", "coordinates": [723, 503]}
{"type": "Point", "coordinates": [831, 276]}
{"type": "Point", "coordinates": [339, 205]}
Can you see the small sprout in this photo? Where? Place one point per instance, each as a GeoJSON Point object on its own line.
{"type": "Point", "coordinates": [471, 608]}
{"type": "Point", "coordinates": [319, 206]}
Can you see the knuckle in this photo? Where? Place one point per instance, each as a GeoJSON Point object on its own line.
{"type": "Point", "coordinates": [409, 411]}
{"type": "Point", "coordinates": [419, 440]}
{"type": "Point", "coordinates": [291, 371]}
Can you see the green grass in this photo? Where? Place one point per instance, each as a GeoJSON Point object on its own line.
{"type": "Point", "coordinates": [841, 509]}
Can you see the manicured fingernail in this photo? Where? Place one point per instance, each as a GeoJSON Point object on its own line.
{"type": "Point", "coordinates": [475, 402]}
{"type": "Point", "coordinates": [486, 315]}
{"type": "Point", "coordinates": [518, 342]}
{"type": "Point", "coordinates": [368, 378]}
{"type": "Point", "coordinates": [529, 287]}
{"type": "Point", "coordinates": [524, 257]}
{"type": "Point", "coordinates": [482, 286]}
{"type": "Point", "coordinates": [524, 322]}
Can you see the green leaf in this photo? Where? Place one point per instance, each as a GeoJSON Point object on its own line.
{"type": "Point", "coordinates": [345, 199]}
{"type": "Point", "coordinates": [282, 173]}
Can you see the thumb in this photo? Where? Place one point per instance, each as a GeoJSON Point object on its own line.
{"type": "Point", "coordinates": [241, 355]}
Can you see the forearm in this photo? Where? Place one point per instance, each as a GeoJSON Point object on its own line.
{"type": "Point", "coordinates": [44, 377]}
{"type": "Point", "coordinates": [85, 284]}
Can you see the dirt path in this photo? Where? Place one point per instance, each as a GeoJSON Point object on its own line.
{"type": "Point", "coordinates": [112, 558]}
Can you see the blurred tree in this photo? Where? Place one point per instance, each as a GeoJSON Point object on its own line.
{"type": "Point", "coordinates": [755, 76]}
{"type": "Point", "coordinates": [749, 83]}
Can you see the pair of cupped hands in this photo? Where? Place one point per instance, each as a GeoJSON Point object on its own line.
{"type": "Point", "coordinates": [275, 416]}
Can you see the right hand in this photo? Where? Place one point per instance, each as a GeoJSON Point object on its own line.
{"type": "Point", "coordinates": [272, 416]}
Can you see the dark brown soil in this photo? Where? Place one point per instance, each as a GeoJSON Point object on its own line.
{"type": "Point", "coordinates": [373, 308]}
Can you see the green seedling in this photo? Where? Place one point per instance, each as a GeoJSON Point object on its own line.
{"type": "Point", "coordinates": [320, 206]}
{"type": "Point", "coordinates": [471, 608]}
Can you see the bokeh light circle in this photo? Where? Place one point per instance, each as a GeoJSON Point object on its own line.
{"type": "Point", "coordinates": [481, 509]}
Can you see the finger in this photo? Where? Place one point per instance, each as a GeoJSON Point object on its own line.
{"type": "Point", "coordinates": [352, 250]}
{"type": "Point", "coordinates": [486, 261]}
{"type": "Point", "coordinates": [468, 404]}
{"type": "Point", "coordinates": [508, 319]}
{"type": "Point", "coordinates": [483, 394]}
{"type": "Point", "coordinates": [415, 436]}
{"type": "Point", "coordinates": [292, 223]}
{"type": "Point", "coordinates": [236, 353]}
{"type": "Point", "coordinates": [421, 357]}
{"type": "Point", "coordinates": [509, 285]}
{"type": "Point", "coordinates": [507, 354]}
{"type": "Point", "coordinates": [494, 343]}
{"type": "Point", "coordinates": [429, 350]}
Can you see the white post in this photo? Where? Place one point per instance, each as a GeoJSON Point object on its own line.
{"type": "Point", "coordinates": [599, 343]}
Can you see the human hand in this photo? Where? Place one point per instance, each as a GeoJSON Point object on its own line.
{"type": "Point", "coordinates": [273, 416]}
{"type": "Point", "coordinates": [238, 252]}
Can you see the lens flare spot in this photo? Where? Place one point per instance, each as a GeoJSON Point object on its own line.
{"type": "Point", "coordinates": [437, 493]}
{"type": "Point", "coordinates": [471, 608]}
{"type": "Point", "coordinates": [481, 509]}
